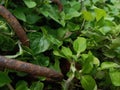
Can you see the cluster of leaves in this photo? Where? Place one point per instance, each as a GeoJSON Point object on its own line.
{"type": "Point", "coordinates": [86, 33]}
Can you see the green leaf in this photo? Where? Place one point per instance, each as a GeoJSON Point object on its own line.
{"type": "Point", "coordinates": [49, 11]}
{"type": "Point", "coordinates": [104, 30]}
{"type": "Point", "coordinates": [87, 15]}
{"type": "Point", "coordinates": [30, 3]}
{"type": "Point", "coordinates": [96, 61]}
{"type": "Point", "coordinates": [4, 79]}
{"type": "Point", "coordinates": [72, 26]}
{"type": "Point", "coordinates": [115, 77]}
{"type": "Point", "coordinates": [88, 64]}
{"type": "Point", "coordinates": [57, 65]}
{"type": "Point", "coordinates": [75, 5]}
{"type": "Point", "coordinates": [54, 40]}
{"type": "Point", "coordinates": [88, 83]}
{"type": "Point", "coordinates": [57, 53]}
{"type": "Point", "coordinates": [32, 18]}
{"type": "Point", "coordinates": [79, 45]}
{"type": "Point", "coordinates": [20, 14]}
{"type": "Point", "coordinates": [108, 65]}
{"type": "Point", "coordinates": [41, 60]}
{"type": "Point", "coordinates": [6, 43]}
{"type": "Point", "coordinates": [37, 86]}
{"type": "Point", "coordinates": [71, 14]}
{"type": "Point", "coordinates": [3, 26]}
{"type": "Point", "coordinates": [40, 44]}
{"type": "Point", "coordinates": [21, 85]}
{"type": "Point", "coordinates": [100, 13]}
{"type": "Point", "coordinates": [66, 52]}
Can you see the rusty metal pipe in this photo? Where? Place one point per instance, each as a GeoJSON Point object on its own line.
{"type": "Point", "coordinates": [13, 22]}
{"type": "Point", "coordinates": [29, 68]}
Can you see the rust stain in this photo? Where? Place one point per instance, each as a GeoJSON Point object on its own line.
{"type": "Point", "coordinates": [15, 25]}
{"type": "Point", "coordinates": [30, 68]}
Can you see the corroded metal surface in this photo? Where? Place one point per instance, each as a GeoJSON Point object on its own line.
{"type": "Point", "coordinates": [15, 25]}
{"type": "Point", "coordinates": [29, 68]}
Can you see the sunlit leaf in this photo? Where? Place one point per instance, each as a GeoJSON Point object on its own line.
{"type": "Point", "coordinates": [40, 44]}
{"type": "Point", "coordinates": [108, 65]}
{"type": "Point", "coordinates": [115, 77]}
{"type": "Point", "coordinates": [87, 15]}
{"type": "Point", "coordinates": [100, 13]}
{"type": "Point", "coordinates": [71, 14]}
{"type": "Point", "coordinates": [79, 45]}
{"type": "Point", "coordinates": [88, 64]}
{"type": "Point", "coordinates": [30, 3]}
{"type": "Point", "coordinates": [66, 52]}
{"type": "Point", "coordinates": [88, 83]}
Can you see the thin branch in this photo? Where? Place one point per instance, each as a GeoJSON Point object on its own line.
{"type": "Point", "coordinates": [60, 6]}
{"type": "Point", "coordinates": [15, 25]}
{"type": "Point", "coordinates": [10, 87]}
{"type": "Point", "coordinates": [30, 68]}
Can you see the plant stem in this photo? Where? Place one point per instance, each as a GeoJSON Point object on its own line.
{"type": "Point", "coordinates": [69, 80]}
{"type": "Point", "coordinates": [10, 87]}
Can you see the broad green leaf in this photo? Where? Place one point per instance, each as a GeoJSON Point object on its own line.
{"type": "Point", "coordinates": [37, 86]}
{"type": "Point", "coordinates": [66, 52]}
{"type": "Point", "coordinates": [87, 65]}
{"type": "Point", "coordinates": [75, 5]}
{"type": "Point", "coordinates": [49, 11]}
{"type": "Point", "coordinates": [21, 85]}
{"type": "Point", "coordinates": [41, 60]}
{"type": "Point", "coordinates": [4, 79]}
{"type": "Point", "coordinates": [115, 77]}
{"type": "Point", "coordinates": [108, 65]}
{"type": "Point", "coordinates": [72, 26]}
{"type": "Point", "coordinates": [54, 40]}
{"type": "Point", "coordinates": [96, 61]}
{"type": "Point", "coordinates": [20, 14]}
{"type": "Point", "coordinates": [6, 43]}
{"type": "Point", "coordinates": [100, 13]}
{"type": "Point", "coordinates": [32, 18]}
{"type": "Point", "coordinates": [104, 30]}
{"type": "Point", "coordinates": [57, 53]}
{"type": "Point", "coordinates": [57, 65]}
{"type": "Point", "coordinates": [88, 83]}
{"type": "Point", "coordinates": [71, 14]}
{"type": "Point", "coordinates": [115, 43]}
{"type": "Point", "coordinates": [87, 15]}
{"type": "Point", "coordinates": [40, 44]}
{"type": "Point", "coordinates": [79, 45]}
{"type": "Point", "coordinates": [30, 3]}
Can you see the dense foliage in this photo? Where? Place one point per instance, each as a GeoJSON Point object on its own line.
{"type": "Point", "coordinates": [82, 41]}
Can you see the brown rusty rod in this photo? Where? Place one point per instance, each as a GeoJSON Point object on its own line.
{"type": "Point", "coordinates": [30, 68]}
{"type": "Point", "coordinates": [12, 21]}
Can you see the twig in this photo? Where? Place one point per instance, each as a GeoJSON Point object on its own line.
{"type": "Point", "coordinates": [15, 25]}
{"type": "Point", "coordinates": [10, 87]}
{"type": "Point", "coordinates": [29, 68]}
{"type": "Point", "coordinates": [60, 6]}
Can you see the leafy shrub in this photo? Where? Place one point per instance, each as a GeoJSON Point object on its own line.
{"type": "Point", "coordinates": [86, 35]}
